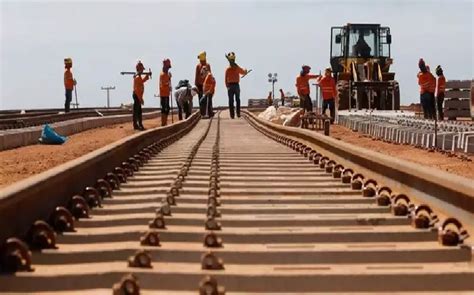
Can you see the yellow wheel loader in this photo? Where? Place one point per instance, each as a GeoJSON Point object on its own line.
{"type": "Point", "coordinates": [360, 61]}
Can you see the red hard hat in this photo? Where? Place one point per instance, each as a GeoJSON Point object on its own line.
{"type": "Point", "coordinates": [167, 63]}
{"type": "Point", "coordinates": [139, 66]}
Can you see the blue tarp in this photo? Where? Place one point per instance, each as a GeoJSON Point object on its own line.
{"type": "Point", "coordinates": [49, 136]}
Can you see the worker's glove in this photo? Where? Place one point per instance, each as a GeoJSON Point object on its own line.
{"type": "Point", "coordinates": [75, 82]}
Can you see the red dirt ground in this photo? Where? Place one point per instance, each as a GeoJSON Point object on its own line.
{"type": "Point", "coordinates": [26, 161]}
{"type": "Point", "coordinates": [423, 157]}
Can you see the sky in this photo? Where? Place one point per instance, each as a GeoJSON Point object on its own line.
{"type": "Point", "coordinates": [107, 37]}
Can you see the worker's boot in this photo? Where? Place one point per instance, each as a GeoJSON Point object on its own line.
{"type": "Point", "coordinates": [164, 120]}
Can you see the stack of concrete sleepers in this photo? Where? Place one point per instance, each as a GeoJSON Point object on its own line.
{"type": "Point", "coordinates": [452, 136]}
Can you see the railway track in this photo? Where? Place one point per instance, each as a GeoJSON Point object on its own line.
{"type": "Point", "coordinates": [227, 209]}
{"type": "Point", "coordinates": [15, 120]}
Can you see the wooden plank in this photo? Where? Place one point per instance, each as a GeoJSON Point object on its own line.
{"type": "Point", "coordinates": [458, 94]}
{"type": "Point", "coordinates": [458, 84]}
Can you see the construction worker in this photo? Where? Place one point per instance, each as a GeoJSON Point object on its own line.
{"type": "Point", "coordinates": [138, 90]}
{"type": "Point", "coordinates": [209, 87]}
{"type": "Point", "coordinates": [282, 96]}
{"type": "Point", "coordinates": [361, 48]}
{"type": "Point", "coordinates": [427, 84]}
{"type": "Point", "coordinates": [199, 79]}
{"type": "Point", "coordinates": [165, 90]}
{"type": "Point", "coordinates": [269, 99]}
{"type": "Point", "coordinates": [184, 100]}
{"type": "Point", "coordinates": [69, 83]}
{"type": "Point", "coordinates": [232, 80]}
{"type": "Point", "coordinates": [440, 88]}
{"type": "Point", "coordinates": [302, 88]}
{"type": "Point", "coordinates": [329, 92]}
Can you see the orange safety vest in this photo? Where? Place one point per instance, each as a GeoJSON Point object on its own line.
{"type": "Point", "coordinates": [427, 82]}
{"type": "Point", "coordinates": [328, 87]}
{"type": "Point", "coordinates": [165, 84]}
{"type": "Point", "coordinates": [68, 80]}
{"type": "Point", "coordinates": [441, 87]}
{"type": "Point", "coordinates": [139, 86]}
{"type": "Point", "coordinates": [302, 83]}
{"type": "Point", "coordinates": [209, 84]}
{"type": "Point", "coordinates": [232, 75]}
{"type": "Point", "coordinates": [198, 78]}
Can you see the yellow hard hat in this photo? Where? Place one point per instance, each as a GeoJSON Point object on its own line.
{"type": "Point", "coordinates": [202, 56]}
{"type": "Point", "coordinates": [68, 60]}
{"type": "Point", "coordinates": [230, 56]}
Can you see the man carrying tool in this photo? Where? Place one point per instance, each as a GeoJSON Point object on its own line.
{"type": "Point", "coordinates": [165, 89]}
{"type": "Point", "coordinates": [282, 97]}
{"type": "Point", "coordinates": [138, 90]}
{"type": "Point", "coordinates": [440, 88]}
{"type": "Point", "coordinates": [269, 99]}
{"type": "Point", "coordinates": [184, 99]}
{"type": "Point", "coordinates": [232, 80]}
{"type": "Point", "coordinates": [302, 87]}
{"type": "Point", "coordinates": [209, 88]}
{"type": "Point", "coordinates": [199, 79]}
{"type": "Point", "coordinates": [329, 93]}
{"type": "Point", "coordinates": [427, 84]}
{"type": "Point", "coordinates": [69, 83]}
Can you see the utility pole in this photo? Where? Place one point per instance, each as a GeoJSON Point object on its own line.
{"type": "Point", "coordinates": [272, 78]}
{"type": "Point", "coordinates": [108, 88]}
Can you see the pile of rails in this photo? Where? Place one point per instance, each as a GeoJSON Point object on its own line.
{"type": "Point", "coordinates": [404, 129]}
{"type": "Point", "coordinates": [29, 118]}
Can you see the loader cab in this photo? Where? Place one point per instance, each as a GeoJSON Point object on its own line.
{"type": "Point", "coordinates": [360, 42]}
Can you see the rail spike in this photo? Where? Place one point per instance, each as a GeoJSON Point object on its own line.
{"type": "Point", "coordinates": [323, 161]}
{"type": "Point", "coordinates": [157, 222]}
{"type": "Point", "coordinates": [15, 256]}
{"type": "Point", "coordinates": [401, 205]}
{"type": "Point", "coordinates": [370, 188]}
{"type": "Point", "coordinates": [209, 286]}
{"type": "Point", "coordinates": [384, 196]}
{"type": "Point", "coordinates": [357, 180]}
{"type": "Point", "coordinates": [79, 207]}
{"type": "Point", "coordinates": [113, 180]}
{"type": "Point", "coordinates": [141, 259]}
{"type": "Point", "coordinates": [92, 197]}
{"type": "Point", "coordinates": [128, 285]}
{"type": "Point", "coordinates": [210, 261]}
{"type": "Point", "coordinates": [211, 240]}
{"type": "Point", "coordinates": [337, 171]}
{"type": "Point", "coordinates": [346, 176]}
{"type": "Point", "coordinates": [452, 233]}
{"type": "Point", "coordinates": [423, 217]}
{"type": "Point", "coordinates": [104, 188]}
{"type": "Point", "coordinates": [330, 166]}
{"type": "Point", "coordinates": [41, 236]}
{"type": "Point", "coordinates": [62, 220]}
{"type": "Point", "coordinates": [212, 224]}
{"type": "Point", "coordinates": [121, 174]}
{"type": "Point", "coordinates": [151, 238]}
